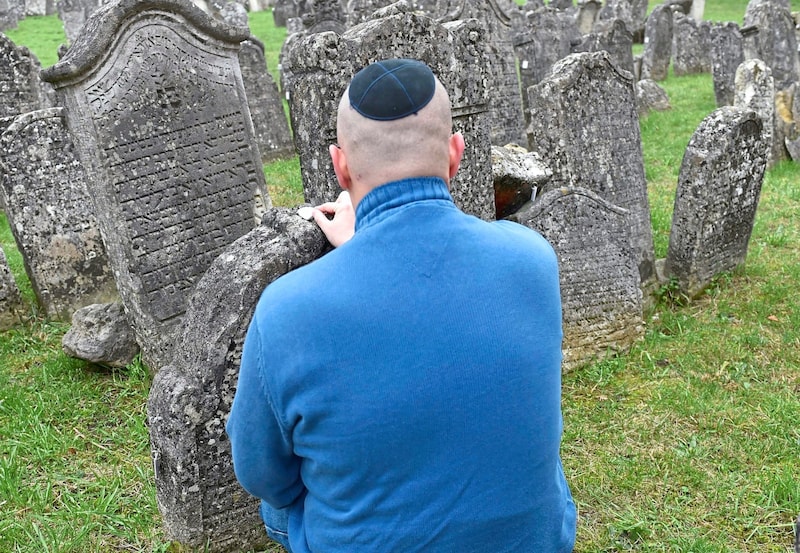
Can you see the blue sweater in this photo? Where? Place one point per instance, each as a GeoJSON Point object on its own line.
{"type": "Point", "coordinates": [402, 393]}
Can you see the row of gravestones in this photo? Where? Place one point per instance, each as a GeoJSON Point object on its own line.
{"type": "Point", "coordinates": [153, 94]}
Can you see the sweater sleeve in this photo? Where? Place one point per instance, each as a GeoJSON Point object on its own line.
{"type": "Point", "coordinates": [263, 459]}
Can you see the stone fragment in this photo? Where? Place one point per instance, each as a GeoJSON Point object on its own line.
{"type": "Point", "coordinates": [775, 42]}
{"type": "Point", "coordinates": [650, 96]}
{"type": "Point", "coordinates": [100, 334]}
{"type": "Point", "coordinates": [517, 175]}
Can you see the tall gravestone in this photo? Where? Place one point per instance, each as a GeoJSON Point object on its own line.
{"type": "Point", "coordinates": [587, 15]}
{"type": "Point", "coordinates": [51, 215]}
{"type": "Point", "coordinates": [600, 288]}
{"type": "Point", "coordinates": [73, 15]}
{"type": "Point", "coordinates": [266, 108]}
{"type": "Point", "coordinates": [21, 86]}
{"type": "Point", "coordinates": [657, 44]}
{"type": "Point", "coordinates": [196, 489]}
{"type": "Point", "coordinates": [727, 54]}
{"type": "Point", "coordinates": [155, 102]}
{"type": "Point", "coordinates": [9, 15]}
{"type": "Point", "coordinates": [11, 304]}
{"type": "Point", "coordinates": [776, 41]}
{"type": "Point", "coordinates": [717, 197]}
{"type": "Point", "coordinates": [691, 45]}
{"type": "Point", "coordinates": [322, 65]}
{"type": "Point", "coordinates": [754, 89]}
{"type": "Point", "coordinates": [614, 38]}
{"type": "Point", "coordinates": [587, 128]}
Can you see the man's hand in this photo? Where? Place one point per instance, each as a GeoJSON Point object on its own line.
{"type": "Point", "coordinates": [341, 228]}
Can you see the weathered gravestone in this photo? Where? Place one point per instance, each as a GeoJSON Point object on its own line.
{"type": "Point", "coordinates": [600, 294]}
{"type": "Point", "coordinates": [587, 15]}
{"type": "Point", "coordinates": [322, 65]}
{"type": "Point", "coordinates": [505, 97]}
{"type": "Point", "coordinates": [657, 44]}
{"type": "Point", "coordinates": [266, 108]}
{"type": "Point", "coordinates": [325, 15]}
{"type": "Point", "coordinates": [775, 42]}
{"type": "Point", "coordinates": [155, 102]}
{"type": "Point", "coordinates": [632, 13]}
{"type": "Point", "coordinates": [754, 89]}
{"type": "Point", "coordinates": [283, 10]}
{"type": "Point", "coordinates": [727, 54]}
{"type": "Point", "coordinates": [190, 399]}
{"type": "Point", "coordinates": [614, 38]}
{"type": "Point", "coordinates": [359, 11]}
{"type": "Point", "coordinates": [650, 97]}
{"type": "Point", "coordinates": [51, 215]}
{"type": "Point", "coordinates": [544, 37]}
{"type": "Point", "coordinates": [11, 305]}
{"type": "Point", "coordinates": [9, 15]}
{"type": "Point", "coordinates": [587, 128]}
{"type": "Point", "coordinates": [73, 14]}
{"type": "Point", "coordinates": [715, 204]}
{"type": "Point", "coordinates": [691, 45]}
{"type": "Point", "coordinates": [21, 86]}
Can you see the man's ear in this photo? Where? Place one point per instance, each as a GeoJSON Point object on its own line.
{"type": "Point", "coordinates": [456, 152]}
{"type": "Point", "coordinates": [340, 166]}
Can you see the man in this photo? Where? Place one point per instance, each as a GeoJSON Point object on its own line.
{"type": "Point", "coordinates": [402, 393]}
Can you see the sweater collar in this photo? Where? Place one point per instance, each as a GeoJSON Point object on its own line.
{"type": "Point", "coordinates": [386, 197]}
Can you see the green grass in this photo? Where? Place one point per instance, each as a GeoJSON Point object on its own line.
{"type": "Point", "coordinates": [687, 443]}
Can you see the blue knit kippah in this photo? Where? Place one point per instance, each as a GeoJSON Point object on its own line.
{"type": "Point", "coordinates": [392, 89]}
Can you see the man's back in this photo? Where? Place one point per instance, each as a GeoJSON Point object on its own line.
{"type": "Point", "coordinates": [415, 372]}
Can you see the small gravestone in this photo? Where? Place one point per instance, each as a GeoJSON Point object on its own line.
{"type": "Point", "coordinates": [650, 97]}
{"type": "Point", "coordinates": [517, 174]}
{"type": "Point", "coordinates": [776, 41]}
{"type": "Point", "coordinates": [283, 10]}
{"type": "Point", "coordinates": [657, 44]}
{"type": "Point", "coordinates": [21, 87]}
{"type": "Point", "coordinates": [691, 45]}
{"type": "Point", "coordinates": [234, 14]}
{"type": "Point", "coordinates": [266, 108]}
{"type": "Point", "coordinates": [545, 36]}
{"type": "Point", "coordinates": [100, 334]}
{"type": "Point", "coordinates": [600, 294]}
{"type": "Point", "coordinates": [155, 102]}
{"type": "Point", "coordinates": [754, 89]}
{"type": "Point", "coordinates": [715, 204]}
{"type": "Point", "coordinates": [614, 38]}
{"type": "Point", "coordinates": [11, 304]}
{"type": "Point", "coordinates": [190, 399]}
{"type": "Point", "coordinates": [631, 12]}
{"type": "Point", "coordinates": [587, 128]}
{"type": "Point", "coordinates": [727, 54]}
{"type": "Point", "coordinates": [321, 66]}
{"type": "Point", "coordinates": [51, 215]}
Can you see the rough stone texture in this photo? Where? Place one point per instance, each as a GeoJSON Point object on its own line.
{"type": "Point", "coordinates": [517, 175]}
{"type": "Point", "coordinates": [775, 42]}
{"type": "Point", "coordinates": [21, 87]}
{"type": "Point", "coordinates": [544, 37]}
{"type": "Point", "coordinates": [715, 204]}
{"type": "Point", "coordinates": [657, 44]}
{"type": "Point", "coordinates": [321, 66]}
{"type": "Point", "coordinates": [650, 97]}
{"type": "Point", "coordinates": [266, 108]}
{"type": "Point", "coordinates": [11, 305]}
{"type": "Point", "coordinates": [100, 333]}
{"type": "Point", "coordinates": [325, 15]}
{"type": "Point", "coordinates": [587, 129]}
{"type": "Point", "coordinates": [51, 215]}
{"type": "Point", "coordinates": [755, 90]}
{"type": "Point", "coordinates": [9, 15]}
{"type": "Point", "coordinates": [234, 14]}
{"type": "Point", "coordinates": [587, 15]}
{"type": "Point", "coordinates": [190, 399]}
{"type": "Point", "coordinates": [155, 102]}
{"type": "Point", "coordinates": [691, 45]}
{"type": "Point", "coordinates": [283, 10]}
{"type": "Point", "coordinates": [727, 54]}
{"type": "Point", "coordinates": [359, 11]}
{"type": "Point", "coordinates": [631, 12]}
{"type": "Point", "coordinates": [600, 294]}
{"type": "Point", "coordinates": [73, 14]}
{"type": "Point", "coordinates": [614, 38]}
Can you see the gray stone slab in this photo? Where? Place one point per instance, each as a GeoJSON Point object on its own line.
{"type": "Point", "coordinates": [776, 41]}
{"type": "Point", "coordinates": [614, 38]}
{"type": "Point", "coordinates": [717, 197]}
{"type": "Point", "coordinates": [73, 14]}
{"type": "Point", "coordinates": [727, 54]}
{"type": "Point", "coordinates": [21, 86]}
{"type": "Point", "coordinates": [600, 294]}
{"type": "Point", "coordinates": [52, 216]}
{"type": "Point", "coordinates": [754, 89]}
{"type": "Point", "coordinates": [11, 305]}
{"type": "Point", "coordinates": [321, 66]}
{"type": "Point", "coordinates": [691, 45]}
{"type": "Point", "coordinates": [657, 44]}
{"type": "Point", "coordinates": [155, 102]}
{"type": "Point", "coordinates": [587, 129]}
{"type": "Point", "coordinates": [190, 399]}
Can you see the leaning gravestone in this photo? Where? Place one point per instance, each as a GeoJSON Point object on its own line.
{"type": "Point", "coordinates": [754, 89]}
{"type": "Point", "coordinates": [727, 54]}
{"type": "Point", "coordinates": [51, 215]}
{"type": "Point", "coordinates": [715, 204]}
{"type": "Point", "coordinates": [600, 294]}
{"type": "Point", "coordinates": [266, 108]}
{"type": "Point", "coordinates": [321, 66]}
{"type": "Point", "coordinates": [21, 87]}
{"type": "Point", "coordinates": [190, 399]}
{"type": "Point", "coordinates": [587, 128]}
{"type": "Point", "coordinates": [691, 45]}
{"type": "Point", "coordinates": [657, 44]}
{"type": "Point", "coordinates": [155, 102]}
{"type": "Point", "coordinates": [11, 305]}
